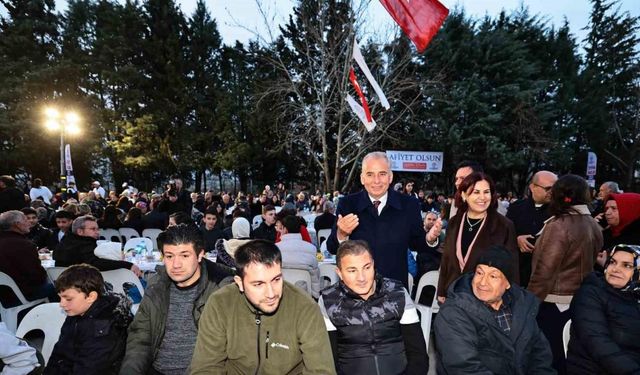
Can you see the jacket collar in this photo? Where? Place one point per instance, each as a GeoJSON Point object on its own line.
{"type": "Point", "coordinates": [523, 304]}
{"type": "Point", "coordinates": [578, 209]}
{"type": "Point", "coordinates": [393, 200]}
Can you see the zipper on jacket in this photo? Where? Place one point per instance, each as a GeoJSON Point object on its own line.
{"type": "Point", "coordinates": [258, 322]}
{"type": "Point", "coordinates": [266, 346]}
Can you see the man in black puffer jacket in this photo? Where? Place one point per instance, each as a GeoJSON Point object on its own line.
{"type": "Point", "coordinates": [488, 324]}
{"type": "Point", "coordinates": [372, 322]}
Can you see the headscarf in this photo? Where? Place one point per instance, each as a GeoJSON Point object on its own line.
{"type": "Point", "coordinates": [628, 210]}
{"type": "Point", "coordinates": [633, 286]}
{"type": "Point", "coordinates": [241, 228]}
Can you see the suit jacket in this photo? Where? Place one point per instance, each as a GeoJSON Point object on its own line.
{"type": "Point", "coordinates": [498, 230]}
{"type": "Point", "coordinates": [398, 228]}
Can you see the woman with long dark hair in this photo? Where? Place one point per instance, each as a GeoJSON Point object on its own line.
{"type": "Point", "coordinates": [564, 255]}
{"type": "Point", "coordinates": [476, 226]}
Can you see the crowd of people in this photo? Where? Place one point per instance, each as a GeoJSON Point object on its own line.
{"type": "Point", "coordinates": [512, 273]}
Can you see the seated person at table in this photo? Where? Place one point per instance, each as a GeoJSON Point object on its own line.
{"type": "Point", "coordinates": [261, 306]}
{"type": "Point", "coordinates": [19, 260]}
{"type": "Point", "coordinates": [298, 254]}
{"type": "Point", "coordinates": [488, 323]}
{"type": "Point", "coordinates": [210, 230]}
{"type": "Point", "coordinates": [37, 233]}
{"type": "Point", "coordinates": [605, 318]}
{"type": "Point", "coordinates": [267, 228]}
{"type": "Point", "coordinates": [163, 333]}
{"type": "Point", "coordinates": [92, 338]}
{"type": "Point", "coordinates": [363, 302]}
{"type": "Point", "coordinates": [78, 247]}
{"type": "Point", "coordinates": [63, 220]}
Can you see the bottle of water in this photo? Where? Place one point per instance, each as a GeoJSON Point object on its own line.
{"type": "Point", "coordinates": [139, 251]}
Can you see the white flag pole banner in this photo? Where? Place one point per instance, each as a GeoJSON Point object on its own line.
{"type": "Point", "coordinates": [592, 164]}
{"type": "Point", "coordinates": [67, 164]}
{"type": "Point", "coordinates": [415, 161]}
{"type": "Point", "coordinates": [357, 55]}
{"type": "Point", "coordinates": [359, 111]}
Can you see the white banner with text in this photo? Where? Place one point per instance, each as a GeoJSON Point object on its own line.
{"type": "Point", "coordinates": [415, 161]}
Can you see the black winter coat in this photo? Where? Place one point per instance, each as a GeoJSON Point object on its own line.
{"type": "Point", "coordinates": [605, 330]}
{"type": "Point", "coordinates": [76, 249]}
{"type": "Point", "coordinates": [469, 340]}
{"type": "Point", "coordinates": [630, 235]}
{"type": "Point", "coordinates": [95, 342]}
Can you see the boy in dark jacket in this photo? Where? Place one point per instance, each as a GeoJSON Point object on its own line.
{"type": "Point", "coordinates": [93, 337]}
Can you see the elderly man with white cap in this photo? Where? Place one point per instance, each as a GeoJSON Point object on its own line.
{"type": "Point", "coordinates": [488, 323]}
{"type": "Point", "coordinates": [98, 190]}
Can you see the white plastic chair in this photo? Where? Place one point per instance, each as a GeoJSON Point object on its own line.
{"type": "Point", "coordinates": [110, 235]}
{"type": "Point", "coordinates": [117, 278]}
{"type": "Point", "coordinates": [256, 221]}
{"type": "Point", "coordinates": [566, 335]}
{"type": "Point", "coordinates": [328, 272]}
{"type": "Point", "coordinates": [128, 233]}
{"type": "Point", "coordinates": [152, 234]}
{"type": "Point", "coordinates": [47, 318]}
{"type": "Point", "coordinates": [133, 242]}
{"type": "Point", "coordinates": [54, 272]}
{"type": "Point", "coordinates": [429, 278]}
{"type": "Point", "coordinates": [323, 234]}
{"type": "Point", "coordinates": [410, 283]}
{"type": "Point", "coordinates": [298, 277]}
{"type": "Point", "coordinates": [425, 322]}
{"type": "Point", "coordinates": [9, 315]}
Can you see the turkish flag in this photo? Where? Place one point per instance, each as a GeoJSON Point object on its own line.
{"type": "Point", "coordinates": [419, 19]}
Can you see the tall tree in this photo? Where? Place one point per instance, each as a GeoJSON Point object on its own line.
{"type": "Point", "coordinates": [29, 40]}
{"type": "Point", "coordinates": [610, 91]}
{"type": "Point", "coordinates": [203, 82]}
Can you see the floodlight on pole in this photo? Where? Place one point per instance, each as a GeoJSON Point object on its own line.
{"type": "Point", "coordinates": [67, 122]}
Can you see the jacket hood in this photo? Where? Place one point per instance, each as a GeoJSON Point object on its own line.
{"type": "Point", "coordinates": [628, 210]}
{"type": "Point", "coordinates": [233, 244]}
{"type": "Point", "coordinates": [114, 306]}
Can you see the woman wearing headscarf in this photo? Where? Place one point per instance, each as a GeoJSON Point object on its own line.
{"type": "Point", "coordinates": [564, 255]}
{"type": "Point", "coordinates": [605, 318]}
{"type": "Point", "coordinates": [476, 226]}
{"type": "Point", "coordinates": [241, 230]}
{"type": "Point", "coordinates": [622, 212]}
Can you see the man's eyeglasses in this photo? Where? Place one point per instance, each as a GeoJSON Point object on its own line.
{"type": "Point", "coordinates": [545, 188]}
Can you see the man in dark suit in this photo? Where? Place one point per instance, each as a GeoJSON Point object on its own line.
{"type": "Point", "coordinates": [528, 216]}
{"type": "Point", "coordinates": [390, 222]}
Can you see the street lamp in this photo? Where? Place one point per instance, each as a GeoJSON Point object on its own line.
{"type": "Point", "coordinates": [62, 122]}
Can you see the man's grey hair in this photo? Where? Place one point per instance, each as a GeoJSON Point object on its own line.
{"type": "Point", "coordinates": [376, 155]}
{"type": "Point", "coordinates": [328, 207]}
{"type": "Point", "coordinates": [7, 219]}
{"type": "Point", "coordinates": [613, 186]}
{"type": "Point", "coordinates": [79, 222]}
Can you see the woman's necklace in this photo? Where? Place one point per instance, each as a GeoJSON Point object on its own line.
{"type": "Point", "coordinates": [471, 226]}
